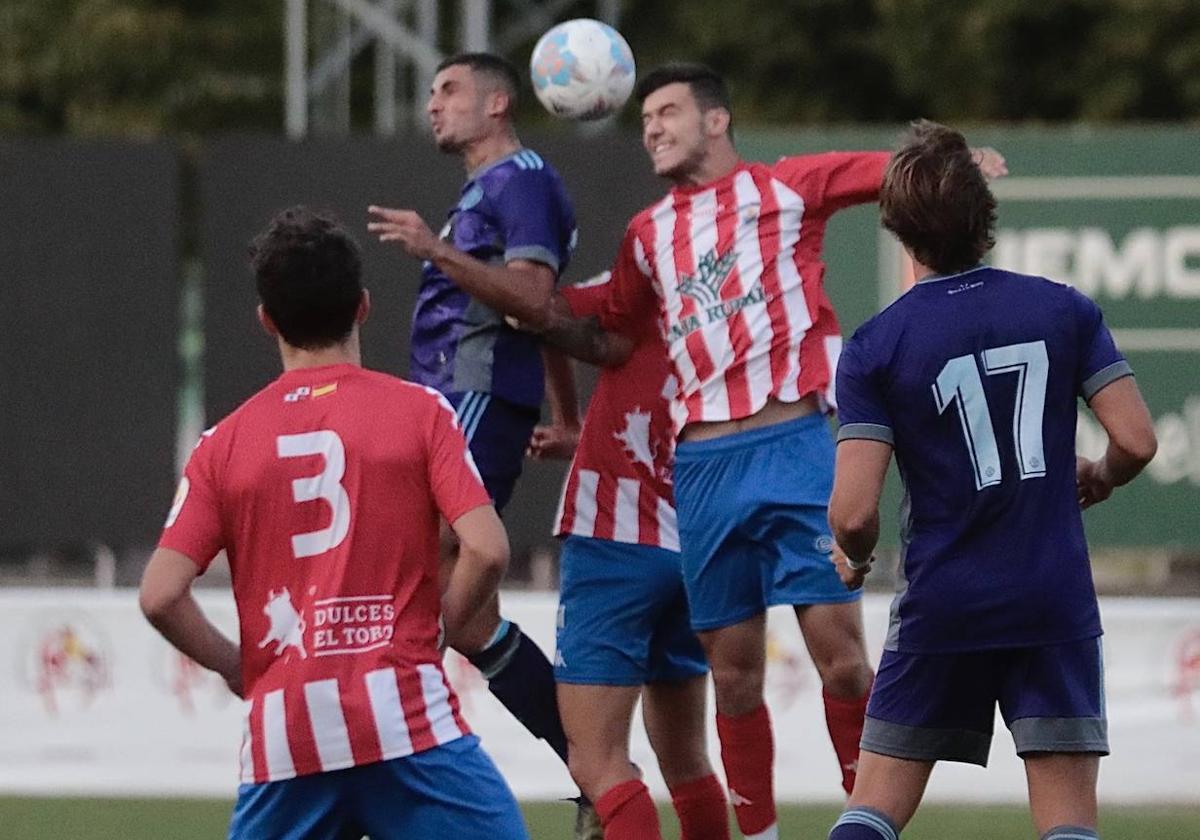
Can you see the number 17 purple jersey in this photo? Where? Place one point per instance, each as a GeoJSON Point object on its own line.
{"type": "Point", "coordinates": [974, 380]}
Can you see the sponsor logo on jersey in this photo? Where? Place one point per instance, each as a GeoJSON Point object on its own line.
{"type": "Point", "coordinates": [704, 287]}
{"type": "Point", "coordinates": [355, 624]}
{"type": "Point", "coordinates": [286, 624]}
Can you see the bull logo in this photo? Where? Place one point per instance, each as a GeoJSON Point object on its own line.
{"type": "Point", "coordinates": [287, 626]}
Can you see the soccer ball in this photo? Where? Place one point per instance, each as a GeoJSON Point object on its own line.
{"type": "Point", "coordinates": [582, 69]}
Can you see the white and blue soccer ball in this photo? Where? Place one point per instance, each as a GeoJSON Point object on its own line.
{"type": "Point", "coordinates": [582, 69]}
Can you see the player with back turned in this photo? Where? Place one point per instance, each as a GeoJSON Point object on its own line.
{"type": "Point", "coordinates": [972, 379]}
{"type": "Point", "coordinates": [325, 490]}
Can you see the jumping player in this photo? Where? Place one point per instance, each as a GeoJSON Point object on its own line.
{"type": "Point", "coordinates": [729, 262]}
{"type": "Point", "coordinates": [972, 379]}
{"type": "Point", "coordinates": [325, 491]}
{"type": "Point", "coordinates": [514, 222]}
{"type": "Point", "coordinates": [623, 628]}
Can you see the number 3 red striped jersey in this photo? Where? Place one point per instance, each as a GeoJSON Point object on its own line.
{"type": "Point", "coordinates": [619, 486]}
{"type": "Point", "coordinates": [325, 491]}
{"type": "Point", "coordinates": [736, 267]}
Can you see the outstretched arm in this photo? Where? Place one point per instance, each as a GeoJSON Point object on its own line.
{"type": "Point", "coordinates": [581, 338]}
{"type": "Point", "coordinates": [519, 288]}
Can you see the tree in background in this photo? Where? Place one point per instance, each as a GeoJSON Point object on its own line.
{"type": "Point", "coordinates": [144, 67]}
{"type": "Point", "coordinates": [139, 67]}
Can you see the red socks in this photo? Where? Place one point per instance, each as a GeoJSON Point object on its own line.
{"type": "Point", "coordinates": [627, 812]}
{"type": "Point", "coordinates": [700, 806]}
{"type": "Point", "coordinates": [748, 753]}
{"type": "Point", "coordinates": [844, 717]}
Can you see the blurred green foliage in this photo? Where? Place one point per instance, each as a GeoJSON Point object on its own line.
{"type": "Point", "coordinates": [144, 67]}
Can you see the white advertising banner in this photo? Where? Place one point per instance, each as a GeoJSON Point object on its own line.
{"type": "Point", "coordinates": [93, 702]}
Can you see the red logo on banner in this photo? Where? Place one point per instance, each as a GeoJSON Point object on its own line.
{"type": "Point", "coordinates": [1188, 674]}
{"type": "Point", "coordinates": [69, 659]}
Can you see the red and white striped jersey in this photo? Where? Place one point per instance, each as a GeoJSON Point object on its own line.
{"type": "Point", "coordinates": [619, 486]}
{"type": "Point", "coordinates": [736, 267]}
{"type": "Point", "coordinates": [325, 490]}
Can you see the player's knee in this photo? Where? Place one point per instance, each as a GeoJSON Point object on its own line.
{"type": "Point", "coordinates": [597, 769]}
{"type": "Point", "coordinates": [847, 676]}
{"type": "Point", "coordinates": [678, 767]}
{"type": "Point", "coordinates": [738, 686]}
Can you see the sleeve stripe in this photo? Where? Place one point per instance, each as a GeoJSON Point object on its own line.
{"type": "Point", "coordinates": [1105, 376]}
{"type": "Point", "coordinates": [533, 253]}
{"type": "Point", "coordinates": [866, 431]}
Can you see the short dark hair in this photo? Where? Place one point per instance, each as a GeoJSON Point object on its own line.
{"type": "Point", "coordinates": [936, 200]}
{"type": "Point", "coordinates": [707, 85]}
{"type": "Point", "coordinates": [308, 270]}
{"type": "Point", "coordinates": [496, 68]}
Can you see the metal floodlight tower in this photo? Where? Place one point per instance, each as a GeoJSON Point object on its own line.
{"type": "Point", "coordinates": [323, 37]}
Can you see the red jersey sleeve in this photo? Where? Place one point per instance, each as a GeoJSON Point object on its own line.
{"type": "Point", "coordinates": [193, 525]}
{"type": "Point", "coordinates": [631, 297]}
{"type": "Point", "coordinates": [831, 181]}
{"type": "Point", "coordinates": [453, 476]}
{"type": "Point", "coordinates": [586, 298]}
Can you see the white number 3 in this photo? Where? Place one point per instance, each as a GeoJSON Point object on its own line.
{"type": "Point", "coordinates": [325, 485]}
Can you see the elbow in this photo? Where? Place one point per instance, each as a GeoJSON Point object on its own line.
{"type": "Point", "coordinates": [488, 558]}
{"type": "Point", "coordinates": [1144, 447]}
{"type": "Point", "coordinates": [155, 605]}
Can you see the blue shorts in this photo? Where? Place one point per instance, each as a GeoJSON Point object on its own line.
{"type": "Point", "coordinates": [453, 790]}
{"type": "Point", "coordinates": [753, 521]}
{"type": "Point", "coordinates": [498, 433]}
{"type": "Point", "coordinates": [623, 616]}
{"type": "Point", "coordinates": [935, 707]}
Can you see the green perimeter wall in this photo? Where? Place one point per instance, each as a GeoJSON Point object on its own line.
{"type": "Point", "coordinates": [1115, 212]}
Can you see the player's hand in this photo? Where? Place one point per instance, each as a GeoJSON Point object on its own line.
{"type": "Point", "coordinates": [852, 579]}
{"type": "Point", "coordinates": [233, 681]}
{"type": "Point", "coordinates": [405, 227]}
{"type": "Point", "coordinates": [1092, 484]}
{"type": "Point", "coordinates": [990, 162]}
{"type": "Point", "coordinates": [553, 442]}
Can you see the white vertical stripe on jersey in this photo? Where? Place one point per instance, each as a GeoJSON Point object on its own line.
{"type": "Point", "coordinates": [833, 352]}
{"type": "Point", "coordinates": [275, 737]}
{"type": "Point", "coordinates": [791, 214]}
{"type": "Point", "coordinates": [442, 724]}
{"type": "Point", "coordinates": [750, 265]}
{"type": "Point", "coordinates": [625, 516]}
{"type": "Point", "coordinates": [562, 503]}
{"type": "Point", "coordinates": [668, 528]}
{"type": "Point", "coordinates": [247, 758]}
{"type": "Point", "coordinates": [663, 217]}
{"type": "Point", "coordinates": [328, 724]}
{"type": "Point", "coordinates": [585, 504]}
{"type": "Point", "coordinates": [383, 692]}
{"type": "Point", "coordinates": [702, 229]}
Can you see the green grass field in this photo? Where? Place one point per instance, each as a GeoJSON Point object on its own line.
{"type": "Point", "coordinates": [177, 819]}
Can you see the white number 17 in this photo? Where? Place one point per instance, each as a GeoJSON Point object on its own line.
{"type": "Point", "coordinates": [959, 383]}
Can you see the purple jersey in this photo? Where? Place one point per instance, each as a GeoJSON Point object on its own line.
{"type": "Point", "coordinates": [513, 209]}
{"type": "Point", "coordinates": [974, 380]}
